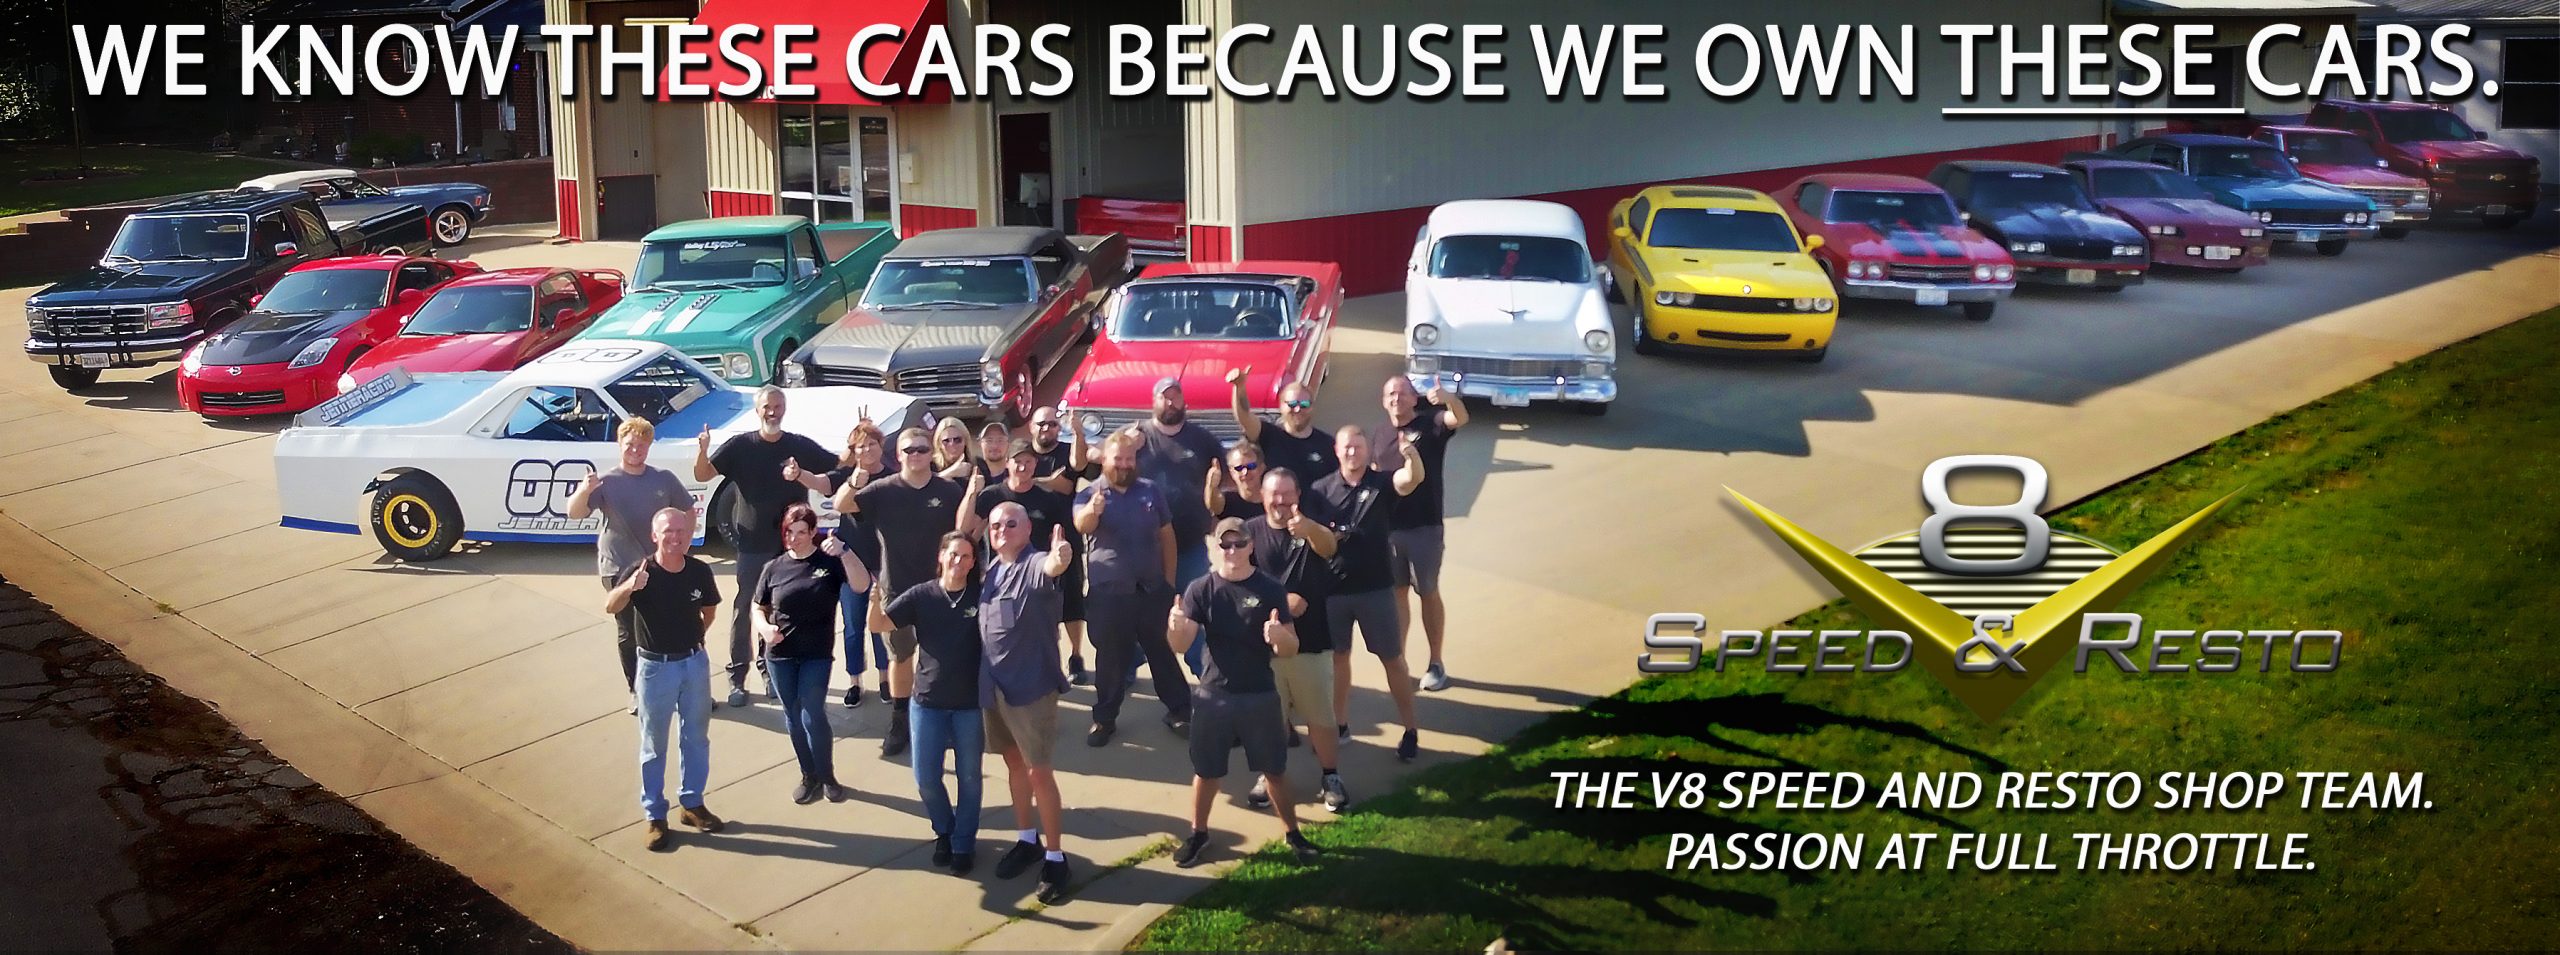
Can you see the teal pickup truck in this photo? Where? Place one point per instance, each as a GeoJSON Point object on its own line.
{"type": "Point", "coordinates": [741, 294]}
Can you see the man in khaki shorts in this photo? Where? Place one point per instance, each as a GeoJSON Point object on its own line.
{"type": "Point", "coordinates": [1296, 549]}
{"type": "Point", "coordinates": [1018, 617]}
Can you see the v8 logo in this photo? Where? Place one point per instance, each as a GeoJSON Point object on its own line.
{"type": "Point", "coordinates": [543, 488]}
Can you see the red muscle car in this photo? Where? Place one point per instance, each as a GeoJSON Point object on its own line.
{"type": "Point", "coordinates": [1899, 238]}
{"type": "Point", "coordinates": [1195, 321]}
{"type": "Point", "coordinates": [493, 321]}
{"type": "Point", "coordinates": [2184, 223]}
{"type": "Point", "coordinates": [2340, 159]}
{"type": "Point", "coordinates": [286, 353]}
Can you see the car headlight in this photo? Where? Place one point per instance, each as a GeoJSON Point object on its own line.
{"type": "Point", "coordinates": [194, 358]}
{"type": "Point", "coordinates": [1681, 299]}
{"type": "Point", "coordinates": [2128, 250]}
{"type": "Point", "coordinates": [311, 354]}
{"type": "Point", "coordinates": [1426, 335]}
{"type": "Point", "coordinates": [2253, 233]}
{"type": "Point", "coordinates": [735, 365]}
{"type": "Point", "coordinates": [2004, 273]}
{"type": "Point", "coordinates": [346, 382]}
{"type": "Point", "coordinates": [1595, 369]}
{"type": "Point", "coordinates": [990, 380]}
{"type": "Point", "coordinates": [794, 374]}
{"type": "Point", "coordinates": [168, 315]}
{"type": "Point", "coordinates": [39, 321]}
{"type": "Point", "coordinates": [1801, 305]}
{"type": "Point", "coordinates": [1597, 340]}
{"type": "Point", "coordinates": [1091, 425]}
{"type": "Point", "coordinates": [2265, 215]}
{"type": "Point", "coordinates": [1424, 365]}
{"type": "Point", "coordinates": [2164, 230]}
{"type": "Point", "coordinates": [2362, 217]}
{"type": "Point", "coordinates": [2035, 246]}
{"type": "Point", "coordinates": [1982, 273]}
{"type": "Point", "coordinates": [1822, 304]}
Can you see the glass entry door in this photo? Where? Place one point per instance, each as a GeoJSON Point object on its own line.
{"type": "Point", "coordinates": [835, 163]}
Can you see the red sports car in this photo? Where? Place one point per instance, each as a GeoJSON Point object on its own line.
{"type": "Point", "coordinates": [286, 354]}
{"type": "Point", "coordinates": [2340, 159]}
{"type": "Point", "coordinates": [1194, 321]}
{"type": "Point", "coordinates": [493, 321]}
{"type": "Point", "coordinates": [1899, 238]}
{"type": "Point", "coordinates": [2184, 223]}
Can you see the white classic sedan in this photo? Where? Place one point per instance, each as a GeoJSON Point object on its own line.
{"type": "Point", "coordinates": [1502, 302]}
{"type": "Point", "coordinates": [425, 461]}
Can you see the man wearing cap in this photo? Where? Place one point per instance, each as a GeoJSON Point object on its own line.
{"type": "Point", "coordinates": [1129, 546]}
{"type": "Point", "coordinates": [1242, 616]}
{"type": "Point", "coordinates": [1358, 504]}
{"type": "Point", "coordinates": [1062, 466]}
{"type": "Point", "coordinates": [1292, 441]}
{"type": "Point", "coordinates": [1181, 460]}
{"type": "Point", "coordinates": [1021, 485]}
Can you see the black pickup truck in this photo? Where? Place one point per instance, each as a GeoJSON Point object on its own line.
{"type": "Point", "coordinates": [177, 272]}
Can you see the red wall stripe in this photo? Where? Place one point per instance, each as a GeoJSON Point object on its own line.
{"type": "Point", "coordinates": [729, 203]}
{"type": "Point", "coordinates": [913, 218]}
{"type": "Point", "coordinates": [568, 210]}
{"type": "Point", "coordinates": [1212, 243]}
{"type": "Point", "coordinates": [1372, 246]}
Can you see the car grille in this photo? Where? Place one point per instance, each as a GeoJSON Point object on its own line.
{"type": "Point", "coordinates": [1736, 303]}
{"type": "Point", "coordinates": [2476, 174]}
{"type": "Point", "coordinates": [102, 321]}
{"type": "Point", "coordinates": [1752, 337]}
{"type": "Point", "coordinates": [1220, 423]}
{"type": "Point", "coordinates": [858, 377]}
{"type": "Point", "coordinates": [240, 399]}
{"type": "Point", "coordinates": [1510, 367]}
{"type": "Point", "coordinates": [2294, 217]}
{"type": "Point", "coordinates": [2390, 198]}
{"type": "Point", "coordinates": [1934, 274]}
{"type": "Point", "coordinates": [936, 380]}
{"type": "Point", "coordinates": [2099, 251]}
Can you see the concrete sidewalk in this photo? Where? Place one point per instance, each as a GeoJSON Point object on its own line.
{"type": "Point", "coordinates": [469, 704]}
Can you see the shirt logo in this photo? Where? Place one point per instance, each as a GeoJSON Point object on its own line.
{"type": "Point", "coordinates": [933, 502]}
{"type": "Point", "coordinates": [1251, 601]}
{"type": "Point", "coordinates": [969, 612]}
{"type": "Point", "coordinates": [695, 594]}
{"type": "Point", "coordinates": [821, 573]}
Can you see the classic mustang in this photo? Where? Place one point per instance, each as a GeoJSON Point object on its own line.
{"type": "Point", "coordinates": [969, 319]}
{"type": "Point", "coordinates": [1720, 268]}
{"type": "Point", "coordinates": [1500, 296]}
{"type": "Point", "coordinates": [1196, 321]}
{"type": "Point", "coordinates": [2340, 159]}
{"type": "Point", "coordinates": [1898, 238]}
{"type": "Point", "coordinates": [2055, 232]}
{"type": "Point", "coordinates": [287, 353]}
{"type": "Point", "coordinates": [425, 461]}
{"type": "Point", "coordinates": [453, 208]}
{"type": "Point", "coordinates": [2256, 178]}
{"type": "Point", "coordinates": [2187, 228]}
{"type": "Point", "coordinates": [740, 294]}
{"type": "Point", "coordinates": [493, 321]}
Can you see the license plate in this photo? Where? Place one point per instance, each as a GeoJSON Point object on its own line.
{"type": "Point", "coordinates": [1933, 296]}
{"type": "Point", "coordinates": [2493, 211]}
{"type": "Point", "coordinates": [93, 361]}
{"type": "Point", "coordinates": [2381, 216]}
{"type": "Point", "coordinates": [1511, 397]}
{"type": "Point", "coordinates": [2218, 253]}
{"type": "Point", "coordinates": [2299, 236]}
{"type": "Point", "coordinates": [2080, 276]}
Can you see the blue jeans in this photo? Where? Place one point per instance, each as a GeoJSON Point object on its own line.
{"type": "Point", "coordinates": [801, 682]}
{"type": "Point", "coordinates": [1190, 563]}
{"type": "Point", "coordinates": [964, 733]}
{"type": "Point", "coordinates": [681, 689]}
{"type": "Point", "coordinates": [856, 605]}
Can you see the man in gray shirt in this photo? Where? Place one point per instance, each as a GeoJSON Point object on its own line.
{"type": "Point", "coordinates": [1018, 610]}
{"type": "Point", "coordinates": [627, 497]}
{"type": "Point", "coordinates": [1128, 529]}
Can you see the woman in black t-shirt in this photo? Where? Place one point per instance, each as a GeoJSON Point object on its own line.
{"type": "Point", "coordinates": [795, 607]}
{"type": "Point", "coordinates": [862, 459]}
{"type": "Point", "coordinates": [945, 710]}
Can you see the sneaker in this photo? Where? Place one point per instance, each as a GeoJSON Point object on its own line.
{"type": "Point", "coordinates": [835, 791]}
{"type": "Point", "coordinates": [853, 695]}
{"type": "Point", "coordinates": [961, 863]}
{"type": "Point", "coordinates": [805, 793]}
{"type": "Point", "coordinates": [1410, 746]}
{"type": "Point", "coordinates": [737, 696]}
{"type": "Point", "coordinates": [1336, 798]}
{"type": "Point", "coordinates": [941, 852]}
{"type": "Point", "coordinates": [1076, 673]}
{"type": "Point", "coordinates": [1192, 849]}
{"type": "Point", "coordinates": [1260, 797]}
{"type": "Point", "coordinates": [1053, 881]}
{"type": "Point", "coordinates": [1017, 859]}
{"type": "Point", "coordinates": [1099, 735]}
{"type": "Point", "coordinates": [1342, 733]}
{"type": "Point", "coordinates": [700, 817]}
{"type": "Point", "coordinates": [1295, 740]}
{"type": "Point", "coordinates": [1436, 678]}
{"type": "Point", "coordinates": [1306, 851]}
{"type": "Point", "coordinates": [657, 840]}
{"type": "Point", "coordinates": [1180, 725]}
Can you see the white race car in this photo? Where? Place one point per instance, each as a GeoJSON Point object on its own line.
{"type": "Point", "coordinates": [427, 460]}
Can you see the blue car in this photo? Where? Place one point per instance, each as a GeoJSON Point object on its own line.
{"type": "Point", "coordinates": [2256, 178]}
{"type": "Point", "coordinates": [453, 208]}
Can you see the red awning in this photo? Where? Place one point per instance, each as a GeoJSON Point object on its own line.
{"type": "Point", "coordinates": [885, 61]}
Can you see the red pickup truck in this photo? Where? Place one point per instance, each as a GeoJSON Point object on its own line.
{"type": "Point", "coordinates": [2467, 174]}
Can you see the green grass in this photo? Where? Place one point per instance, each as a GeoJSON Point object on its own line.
{"type": "Point", "coordinates": [2416, 512]}
{"type": "Point", "coordinates": [149, 172]}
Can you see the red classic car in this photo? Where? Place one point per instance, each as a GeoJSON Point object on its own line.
{"type": "Point", "coordinates": [2186, 227]}
{"type": "Point", "coordinates": [2340, 159]}
{"type": "Point", "coordinates": [286, 354]}
{"type": "Point", "coordinates": [1898, 238]}
{"type": "Point", "coordinates": [493, 321]}
{"type": "Point", "coordinates": [1194, 321]}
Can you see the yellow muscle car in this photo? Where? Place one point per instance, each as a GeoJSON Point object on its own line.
{"type": "Point", "coordinates": [1714, 267]}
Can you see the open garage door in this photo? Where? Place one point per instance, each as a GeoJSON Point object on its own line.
{"type": "Point", "coordinates": [1089, 162]}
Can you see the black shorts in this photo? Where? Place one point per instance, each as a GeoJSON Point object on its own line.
{"type": "Point", "coordinates": [1222, 721]}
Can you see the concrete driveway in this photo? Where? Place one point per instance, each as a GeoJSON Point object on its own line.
{"type": "Point", "coordinates": [470, 705]}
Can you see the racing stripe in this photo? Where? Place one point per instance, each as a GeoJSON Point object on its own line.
{"type": "Point", "coordinates": [692, 310]}
{"type": "Point", "coordinates": [647, 323]}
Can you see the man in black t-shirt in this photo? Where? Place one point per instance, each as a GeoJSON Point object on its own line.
{"type": "Point", "coordinates": [673, 597]}
{"type": "Point", "coordinates": [1291, 441]}
{"type": "Point", "coordinates": [1062, 466]}
{"type": "Point", "coordinates": [1242, 619]}
{"type": "Point", "coordinates": [1296, 548]}
{"type": "Point", "coordinates": [767, 471]}
{"type": "Point", "coordinates": [1418, 544]}
{"type": "Point", "coordinates": [1357, 502]}
{"type": "Point", "coordinates": [910, 510]}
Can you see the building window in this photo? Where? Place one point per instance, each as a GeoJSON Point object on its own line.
{"type": "Point", "coordinates": [834, 163]}
{"type": "Point", "coordinates": [2529, 83]}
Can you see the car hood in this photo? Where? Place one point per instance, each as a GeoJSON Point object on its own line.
{"type": "Point", "coordinates": [133, 283]}
{"type": "Point", "coordinates": [1763, 275]}
{"type": "Point", "coordinates": [421, 354]}
{"type": "Point", "coordinates": [2459, 150]}
{"type": "Point", "coordinates": [2285, 193]}
{"type": "Point", "coordinates": [911, 338]}
{"type": "Point", "coordinates": [2353, 175]}
{"type": "Point", "coordinates": [260, 338]}
{"type": "Point", "coordinates": [2059, 222]}
{"type": "Point", "coordinates": [1507, 317]}
{"type": "Point", "coordinates": [1124, 375]}
{"type": "Point", "coordinates": [2148, 211]}
{"type": "Point", "coordinates": [1945, 245]}
{"type": "Point", "coordinates": [679, 318]}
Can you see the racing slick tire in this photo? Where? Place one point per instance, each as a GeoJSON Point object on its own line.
{"type": "Point", "coordinates": [415, 519]}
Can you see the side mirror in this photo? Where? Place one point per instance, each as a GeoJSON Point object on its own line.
{"type": "Point", "coordinates": [1812, 242]}
{"type": "Point", "coordinates": [253, 300]}
{"type": "Point", "coordinates": [284, 249]}
{"type": "Point", "coordinates": [410, 297]}
{"type": "Point", "coordinates": [1623, 232]}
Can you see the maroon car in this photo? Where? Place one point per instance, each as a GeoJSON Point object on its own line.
{"type": "Point", "coordinates": [2185, 225]}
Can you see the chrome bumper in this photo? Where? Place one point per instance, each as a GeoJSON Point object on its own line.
{"type": "Point", "coordinates": [1515, 391]}
{"type": "Point", "coordinates": [122, 352]}
{"type": "Point", "coordinates": [2319, 233]}
{"type": "Point", "coordinates": [1910, 291]}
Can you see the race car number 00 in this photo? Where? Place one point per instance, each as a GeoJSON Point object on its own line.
{"type": "Point", "coordinates": [543, 488]}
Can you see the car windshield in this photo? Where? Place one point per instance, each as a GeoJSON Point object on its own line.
{"type": "Point", "coordinates": [181, 238]}
{"type": "Point", "coordinates": [2422, 125]}
{"type": "Point", "coordinates": [327, 290]}
{"type": "Point", "coordinates": [659, 389]}
{"type": "Point", "coordinates": [1741, 229]}
{"type": "Point", "coordinates": [2330, 150]}
{"type": "Point", "coordinates": [2126, 182]}
{"type": "Point", "coordinates": [1902, 210]}
{"type": "Point", "coordinates": [737, 262]}
{"type": "Point", "coordinates": [949, 283]}
{"type": "Point", "coordinates": [473, 310]}
{"type": "Point", "coordinates": [1176, 310]}
{"type": "Point", "coordinates": [1537, 258]}
{"type": "Point", "coordinates": [2028, 190]}
{"type": "Point", "coordinates": [2241, 162]}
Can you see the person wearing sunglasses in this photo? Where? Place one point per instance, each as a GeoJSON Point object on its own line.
{"type": "Point", "coordinates": [1061, 467]}
{"type": "Point", "coordinates": [910, 511]}
{"type": "Point", "coordinates": [796, 605]}
{"type": "Point", "coordinates": [771, 469]}
{"type": "Point", "coordinates": [1243, 617]}
{"type": "Point", "coordinates": [863, 451]}
{"type": "Point", "coordinates": [1418, 541]}
{"type": "Point", "coordinates": [1292, 440]}
{"type": "Point", "coordinates": [1237, 493]}
{"type": "Point", "coordinates": [1018, 612]}
{"type": "Point", "coordinates": [953, 456]}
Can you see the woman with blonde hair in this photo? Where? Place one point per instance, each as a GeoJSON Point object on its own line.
{"type": "Point", "coordinates": [863, 462]}
{"type": "Point", "coordinates": [953, 456]}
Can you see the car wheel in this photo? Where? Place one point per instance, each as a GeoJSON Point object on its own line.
{"type": "Point", "coordinates": [2508, 221]}
{"type": "Point", "coordinates": [722, 513]}
{"type": "Point", "coordinates": [394, 250]}
{"type": "Point", "coordinates": [1810, 356]}
{"type": "Point", "coordinates": [1591, 409]}
{"type": "Point", "coordinates": [452, 225]}
{"type": "Point", "coordinates": [72, 377]}
{"type": "Point", "coordinates": [779, 358]}
{"type": "Point", "coordinates": [2398, 233]}
{"type": "Point", "coordinates": [415, 519]}
{"type": "Point", "coordinates": [2332, 246]}
{"type": "Point", "coordinates": [1609, 285]}
{"type": "Point", "coordinates": [1645, 345]}
{"type": "Point", "coordinates": [1020, 414]}
{"type": "Point", "coordinates": [1980, 311]}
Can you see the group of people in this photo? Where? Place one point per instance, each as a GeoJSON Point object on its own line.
{"type": "Point", "coordinates": [960, 569]}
